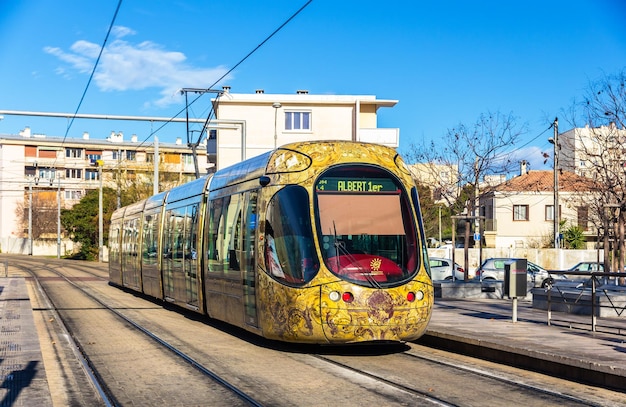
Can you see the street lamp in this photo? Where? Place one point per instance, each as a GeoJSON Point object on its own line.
{"type": "Point", "coordinates": [276, 106]}
{"type": "Point", "coordinates": [555, 141]}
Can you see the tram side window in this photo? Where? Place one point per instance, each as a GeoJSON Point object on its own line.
{"type": "Point", "coordinates": [225, 234]}
{"type": "Point", "coordinates": [114, 245]}
{"type": "Point", "coordinates": [289, 252]}
{"type": "Point", "coordinates": [232, 241]}
{"type": "Point", "coordinates": [149, 242]}
{"type": "Point", "coordinates": [193, 231]}
{"type": "Point", "coordinates": [215, 225]}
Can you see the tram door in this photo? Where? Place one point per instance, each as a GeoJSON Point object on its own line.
{"type": "Point", "coordinates": [249, 256]}
{"type": "Point", "coordinates": [180, 255]}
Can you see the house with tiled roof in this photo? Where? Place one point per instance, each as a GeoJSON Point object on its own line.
{"type": "Point", "coordinates": [519, 213]}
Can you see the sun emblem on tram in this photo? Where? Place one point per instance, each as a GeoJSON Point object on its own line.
{"type": "Point", "coordinates": [375, 264]}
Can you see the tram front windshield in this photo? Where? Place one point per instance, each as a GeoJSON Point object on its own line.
{"type": "Point", "coordinates": [366, 229]}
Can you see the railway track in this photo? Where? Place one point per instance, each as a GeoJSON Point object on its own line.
{"type": "Point", "coordinates": [111, 390]}
{"type": "Point", "coordinates": [451, 382]}
{"type": "Point", "coordinates": [113, 330]}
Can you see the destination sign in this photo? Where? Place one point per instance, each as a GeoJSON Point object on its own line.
{"type": "Point", "coordinates": [335, 184]}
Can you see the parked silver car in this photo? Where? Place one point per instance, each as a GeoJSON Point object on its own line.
{"type": "Point", "coordinates": [493, 269]}
{"type": "Point", "coordinates": [441, 269]}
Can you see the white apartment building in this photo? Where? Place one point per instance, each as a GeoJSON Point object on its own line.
{"type": "Point", "coordinates": [250, 124]}
{"type": "Point", "coordinates": [57, 172]}
{"type": "Point", "coordinates": [581, 150]}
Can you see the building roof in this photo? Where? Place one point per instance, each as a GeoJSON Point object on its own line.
{"type": "Point", "coordinates": [543, 181]}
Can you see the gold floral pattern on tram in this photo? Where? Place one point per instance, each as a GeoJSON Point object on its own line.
{"type": "Point", "coordinates": [377, 314]}
{"type": "Point", "coordinates": [308, 314]}
{"type": "Point", "coordinates": [323, 154]}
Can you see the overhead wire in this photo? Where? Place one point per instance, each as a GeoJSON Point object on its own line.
{"type": "Point", "coordinates": [228, 72]}
{"type": "Point", "coordinates": [95, 66]}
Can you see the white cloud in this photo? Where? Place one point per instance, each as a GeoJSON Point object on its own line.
{"type": "Point", "coordinates": [125, 66]}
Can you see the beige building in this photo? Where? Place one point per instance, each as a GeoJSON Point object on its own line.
{"type": "Point", "coordinates": [250, 124]}
{"type": "Point", "coordinates": [519, 213]}
{"type": "Point", "coordinates": [442, 179]}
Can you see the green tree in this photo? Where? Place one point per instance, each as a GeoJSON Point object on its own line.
{"type": "Point", "coordinates": [82, 224]}
{"type": "Point", "coordinates": [574, 237]}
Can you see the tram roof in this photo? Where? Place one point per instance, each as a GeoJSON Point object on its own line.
{"type": "Point", "coordinates": [189, 189]}
{"type": "Point", "coordinates": [249, 169]}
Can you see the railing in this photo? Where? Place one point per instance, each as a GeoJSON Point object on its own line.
{"type": "Point", "coordinates": [598, 295]}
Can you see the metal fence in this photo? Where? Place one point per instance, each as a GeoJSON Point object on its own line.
{"type": "Point", "coordinates": [596, 302]}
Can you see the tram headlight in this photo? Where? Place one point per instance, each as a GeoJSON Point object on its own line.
{"type": "Point", "coordinates": [334, 296]}
{"type": "Point", "coordinates": [347, 297]}
{"type": "Point", "coordinates": [411, 296]}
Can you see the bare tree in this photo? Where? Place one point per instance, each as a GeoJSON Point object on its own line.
{"type": "Point", "coordinates": [470, 153]}
{"type": "Point", "coordinates": [44, 213]}
{"type": "Point", "coordinates": [600, 146]}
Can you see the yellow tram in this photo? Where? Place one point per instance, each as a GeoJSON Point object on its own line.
{"type": "Point", "coordinates": [314, 242]}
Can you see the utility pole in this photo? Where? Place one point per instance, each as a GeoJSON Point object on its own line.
{"type": "Point", "coordinates": [556, 211]}
{"type": "Point", "coordinates": [30, 217]}
{"type": "Point", "coordinates": [59, 218]}
{"type": "Point", "coordinates": [155, 182]}
{"type": "Point", "coordinates": [100, 163]}
{"type": "Point", "coordinates": [190, 143]}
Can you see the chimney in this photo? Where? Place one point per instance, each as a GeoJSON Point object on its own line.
{"type": "Point", "coordinates": [302, 92]}
{"type": "Point", "coordinates": [259, 91]}
{"type": "Point", "coordinates": [26, 132]}
{"type": "Point", "coordinates": [523, 167]}
{"type": "Point", "coordinates": [179, 141]}
{"type": "Point", "coordinates": [226, 89]}
{"type": "Point", "coordinates": [133, 138]}
{"type": "Point", "coordinates": [86, 135]}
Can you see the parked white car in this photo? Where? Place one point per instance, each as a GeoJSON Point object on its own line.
{"type": "Point", "coordinates": [493, 269]}
{"type": "Point", "coordinates": [441, 269]}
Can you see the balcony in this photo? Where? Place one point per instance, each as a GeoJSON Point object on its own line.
{"type": "Point", "coordinates": [387, 137]}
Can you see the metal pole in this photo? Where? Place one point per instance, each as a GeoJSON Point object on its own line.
{"type": "Point", "coordinates": [30, 218]}
{"type": "Point", "coordinates": [155, 182]}
{"type": "Point", "coordinates": [556, 184]}
{"type": "Point", "coordinates": [100, 237]}
{"type": "Point", "coordinates": [59, 218]}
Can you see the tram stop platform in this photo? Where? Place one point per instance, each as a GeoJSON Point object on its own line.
{"type": "Point", "coordinates": [566, 348]}
{"type": "Point", "coordinates": [22, 372]}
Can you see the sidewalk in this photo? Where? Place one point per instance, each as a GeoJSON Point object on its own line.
{"type": "Point", "coordinates": [484, 328]}
{"type": "Point", "coordinates": [22, 372]}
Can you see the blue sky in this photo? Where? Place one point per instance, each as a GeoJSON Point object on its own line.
{"type": "Point", "coordinates": [446, 62]}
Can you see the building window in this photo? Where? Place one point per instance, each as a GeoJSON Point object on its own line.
{"type": "Point", "coordinates": [188, 159]}
{"type": "Point", "coordinates": [520, 212]}
{"type": "Point", "coordinates": [73, 195]}
{"type": "Point", "coordinates": [91, 175]}
{"type": "Point", "coordinates": [74, 173]}
{"type": "Point", "coordinates": [583, 217]}
{"type": "Point", "coordinates": [73, 152]}
{"type": "Point", "coordinates": [43, 153]}
{"type": "Point", "coordinates": [131, 155]}
{"type": "Point", "coordinates": [116, 155]}
{"type": "Point", "coordinates": [297, 120]}
{"type": "Point", "coordinates": [93, 156]}
{"type": "Point", "coordinates": [47, 173]}
{"type": "Point", "coordinates": [550, 212]}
